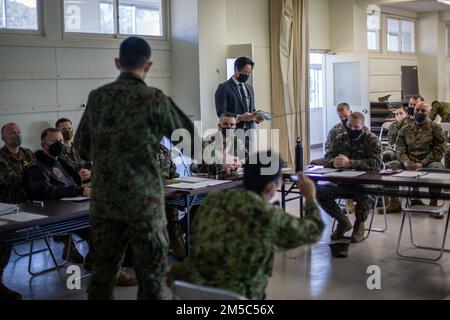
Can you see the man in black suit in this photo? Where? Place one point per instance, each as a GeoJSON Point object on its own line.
{"type": "Point", "coordinates": [236, 97]}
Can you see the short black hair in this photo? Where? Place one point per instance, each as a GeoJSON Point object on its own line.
{"type": "Point", "coordinates": [253, 179]}
{"type": "Point", "coordinates": [241, 62]}
{"type": "Point", "coordinates": [62, 120]}
{"type": "Point", "coordinates": [227, 115]}
{"type": "Point", "coordinates": [134, 53]}
{"type": "Point", "coordinates": [45, 133]}
{"type": "Point", "coordinates": [418, 97]}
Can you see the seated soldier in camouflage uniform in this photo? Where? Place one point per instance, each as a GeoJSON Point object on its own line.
{"type": "Point", "coordinates": [168, 171]}
{"type": "Point", "coordinates": [13, 160]}
{"type": "Point", "coordinates": [343, 111]}
{"type": "Point", "coordinates": [442, 109]}
{"type": "Point", "coordinates": [238, 231]}
{"type": "Point", "coordinates": [389, 153]}
{"type": "Point", "coordinates": [421, 144]}
{"type": "Point", "coordinates": [72, 158]}
{"type": "Point", "coordinates": [356, 149]}
{"type": "Point", "coordinates": [223, 149]}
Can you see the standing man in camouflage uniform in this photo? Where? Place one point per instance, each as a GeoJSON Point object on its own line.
{"type": "Point", "coordinates": [421, 144]}
{"type": "Point", "coordinates": [13, 160]}
{"type": "Point", "coordinates": [168, 171]}
{"type": "Point", "coordinates": [238, 231]}
{"type": "Point", "coordinates": [120, 132]}
{"type": "Point", "coordinates": [389, 153]}
{"type": "Point", "coordinates": [356, 149]}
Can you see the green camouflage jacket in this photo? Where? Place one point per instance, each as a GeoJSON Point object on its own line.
{"type": "Point", "coordinates": [11, 171]}
{"type": "Point", "coordinates": [234, 236]}
{"type": "Point", "coordinates": [421, 143]}
{"type": "Point", "coordinates": [365, 153]}
{"type": "Point", "coordinates": [442, 109]}
{"type": "Point", "coordinates": [167, 168]}
{"type": "Point", "coordinates": [71, 156]}
{"type": "Point", "coordinates": [120, 131]}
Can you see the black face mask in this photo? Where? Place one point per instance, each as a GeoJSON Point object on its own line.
{"type": "Point", "coordinates": [227, 131]}
{"type": "Point", "coordinates": [56, 149]}
{"type": "Point", "coordinates": [344, 122]}
{"type": "Point", "coordinates": [420, 117]}
{"type": "Point", "coordinates": [411, 111]}
{"type": "Point", "coordinates": [243, 78]}
{"type": "Point", "coordinates": [354, 134]}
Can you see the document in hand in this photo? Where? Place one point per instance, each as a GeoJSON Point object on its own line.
{"type": "Point", "coordinates": [265, 115]}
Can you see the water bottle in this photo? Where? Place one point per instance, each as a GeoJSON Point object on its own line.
{"type": "Point", "coordinates": [299, 155]}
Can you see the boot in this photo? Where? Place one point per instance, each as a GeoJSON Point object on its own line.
{"type": "Point", "coordinates": [126, 279]}
{"type": "Point", "coordinates": [7, 294]}
{"type": "Point", "coordinates": [395, 206]}
{"type": "Point", "coordinates": [417, 202]}
{"type": "Point", "coordinates": [358, 232]}
{"type": "Point", "coordinates": [74, 255]}
{"type": "Point", "coordinates": [343, 226]}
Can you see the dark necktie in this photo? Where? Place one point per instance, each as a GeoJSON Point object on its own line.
{"type": "Point", "coordinates": [244, 99]}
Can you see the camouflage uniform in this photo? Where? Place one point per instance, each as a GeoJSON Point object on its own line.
{"type": "Point", "coordinates": [365, 154]}
{"type": "Point", "coordinates": [120, 131]}
{"type": "Point", "coordinates": [213, 150]}
{"type": "Point", "coordinates": [71, 156]}
{"type": "Point", "coordinates": [336, 131]}
{"type": "Point", "coordinates": [420, 143]}
{"type": "Point", "coordinates": [168, 170]}
{"type": "Point", "coordinates": [442, 109]}
{"type": "Point", "coordinates": [11, 190]}
{"type": "Point", "coordinates": [389, 153]}
{"type": "Point", "coordinates": [237, 253]}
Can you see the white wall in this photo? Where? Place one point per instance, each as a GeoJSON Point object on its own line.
{"type": "Point", "coordinates": [43, 78]}
{"type": "Point", "coordinates": [319, 25]}
{"type": "Point", "coordinates": [231, 22]}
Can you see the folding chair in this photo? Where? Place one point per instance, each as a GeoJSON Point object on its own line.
{"type": "Point", "coordinates": [186, 291]}
{"type": "Point", "coordinates": [385, 127]}
{"type": "Point", "coordinates": [409, 211]}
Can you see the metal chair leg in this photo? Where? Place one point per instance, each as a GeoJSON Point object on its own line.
{"type": "Point", "coordinates": [440, 249]}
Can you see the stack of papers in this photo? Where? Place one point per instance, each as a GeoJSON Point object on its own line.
{"type": "Point", "coordinates": [7, 209]}
{"type": "Point", "coordinates": [409, 174]}
{"type": "Point", "coordinates": [22, 217]}
{"type": "Point", "coordinates": [198, 185]}
{"type": "Point", "coordinates": [345, 174]}
{"type": "Point", "coordinates": [320, 170]}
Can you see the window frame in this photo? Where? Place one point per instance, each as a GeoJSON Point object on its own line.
{"type": "Point", "coordinates": [378, 35]}
{"type": "Point", "coordinates": [400, 35]}
{"type": "Point", "coordinates": [165, 26]}
{"type": "Point", "coordinates": [310, 68]}
{"type": "Point", "coordinates": [40, 23]}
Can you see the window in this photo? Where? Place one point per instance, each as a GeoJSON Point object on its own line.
{"type": "Point", "coordinates": [401, 35]}
{"type": "Point", "coordinates": [373, 31]}
{"type": "Point", "coordinates": [316, 81]}
{"type": "Point", "coordinates": [136, 17]}
{"type": "Point", "coordinates": [19, 15]}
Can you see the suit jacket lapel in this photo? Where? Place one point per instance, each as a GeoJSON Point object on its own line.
{"type": "Point", "coordinates": [236, 90]}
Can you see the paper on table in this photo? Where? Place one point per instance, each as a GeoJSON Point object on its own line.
{"type": "Point", "coordinates": [5, 207]}
{"type": "Point", "coordinates": [191, 179]}
{"type": "Point", "coordinates": [409, 174]}
{"type": "Point", "coordinates": [22, 217]}
{"type": "Point", "coordinates": [76, 199]}
{"type": "Point", "coordinates": [349, 174]}
{"type": "Point", "coordinates": [2, 223]}
{"type": "Point", "coordinates": [321, 170]}
{"type": "Point", "coordinates": [436, 176]}
{"type": "Point", "coordinates": [199, 185]}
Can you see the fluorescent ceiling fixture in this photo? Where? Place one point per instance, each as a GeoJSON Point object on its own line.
{"type": "Point", "coordinates": [444, 1]}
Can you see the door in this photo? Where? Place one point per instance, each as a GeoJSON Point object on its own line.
{"type": "Point", "coordinates": [347, 80]}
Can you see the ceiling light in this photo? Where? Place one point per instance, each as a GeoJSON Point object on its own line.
{"type": "Point", "coordinates": [444, 1]}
